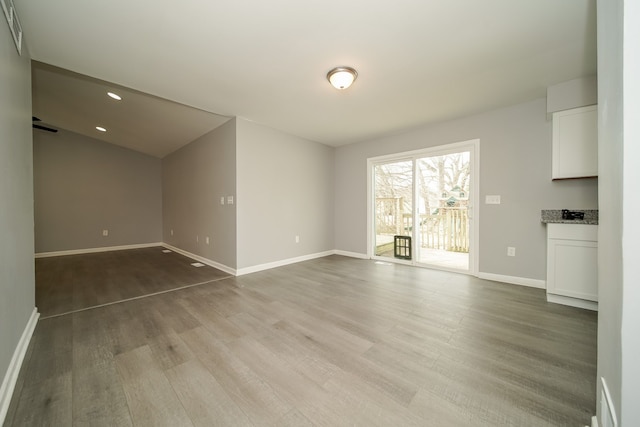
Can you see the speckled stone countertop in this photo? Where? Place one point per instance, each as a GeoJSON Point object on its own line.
{"type": "Point", "coordinates": [554, 216]}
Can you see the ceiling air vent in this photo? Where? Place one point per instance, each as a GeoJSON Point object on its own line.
{"type": "Point", "coordinates": [14, 23]}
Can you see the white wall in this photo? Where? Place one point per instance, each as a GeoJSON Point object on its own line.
{"type": "Point", "coordinates": [572, 94]}
{"type": "Point", "coordinates": [83, 186]}
{"type": "Point", "coordinates": [285, 188]}
{"type": "Point", "coordinates": [631, 227]}
{"type": "Point", "coordinates": [515, 163]}
{"type": "Point", "coordinates": [610, 164]}
{"type": "Point", "coordinates": [193, 180]}
{"type": "Point", "coordinates": [17, 289]}
{"type": "Point", "coordinates": [619, 232]}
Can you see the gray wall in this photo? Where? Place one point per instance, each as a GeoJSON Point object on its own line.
{"type": "Point", "coordinates": [619, 232]}
{"type": "Point", "coordinates": [194, 179]}
{"type": "Point", "coordinates": [285, 189]}
{"type": "Point", "coordinates": [83, 186]}
{"type": "Point", "coordinates": [515, 163]}
{"type": "Point", "coordinates": [17, 289]}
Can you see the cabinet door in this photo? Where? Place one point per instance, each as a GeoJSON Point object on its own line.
{"type": "Point", "coordinates": [575, 143]}
{"type": "Point", "coordinates": [572, 268]}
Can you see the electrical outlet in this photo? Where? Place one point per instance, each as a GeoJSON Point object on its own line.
{"type": "Point", "coordinates": [172, 231]}
{"type": "Point", "coordinates": [206, 240]}
{"type": "Point", "coordinates": [105, 232]}
{"type": "Point", "coordinates": [297, 239]}
{"type": "Point", "coordinates": [492, 200]}
{"type": "Point", "coordinates": [222, 200]}
{"type": "Point", "coordinates": [229, 200]}
{"type": "Point", "coordinates": [511, 251]}
{"type": "Point", "coordinates": [197, 239]}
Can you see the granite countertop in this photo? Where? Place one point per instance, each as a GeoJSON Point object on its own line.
{"type": "Point", "coordinates": [554, 216]}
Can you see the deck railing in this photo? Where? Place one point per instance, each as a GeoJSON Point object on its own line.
{"type": "Point", "coordinates": [448, 229]}
{"type": "Point", "coordinates": [389, 210]}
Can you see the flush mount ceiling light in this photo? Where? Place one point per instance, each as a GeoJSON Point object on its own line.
{"type": "Point", "coordinates": [342, 77]}
{"type": "Point", "coordinates": [114, 96]}
{"type": "Point", "coordinates": [101, 129]}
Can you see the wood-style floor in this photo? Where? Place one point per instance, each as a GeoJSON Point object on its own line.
{"type": "Point", "coordinates": [329, 342]}
{"type": "Point", "coordinates": [70, 283]}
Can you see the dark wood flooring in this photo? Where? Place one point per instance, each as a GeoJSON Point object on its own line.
{"type": "Point", "coordinates": [75, 282]}
{"type": "Point", "coordinates": [328, 342]}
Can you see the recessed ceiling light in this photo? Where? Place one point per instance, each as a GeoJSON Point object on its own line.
{"type": "Point", "coordinates": [101, 129]}
{"type": "Point", "coordinates": [114, 96]}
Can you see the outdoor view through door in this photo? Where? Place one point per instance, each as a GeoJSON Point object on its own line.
{"type": "Point", "coordinates": [421, 208]}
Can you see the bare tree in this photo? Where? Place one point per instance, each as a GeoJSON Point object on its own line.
{"type": "Point", "coordinates": [440, 175]}
{"type": "Point", "coordinates": [436, 177]}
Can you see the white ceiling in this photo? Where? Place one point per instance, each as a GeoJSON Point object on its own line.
{"type": "Point", "coordinates": [419, 61]}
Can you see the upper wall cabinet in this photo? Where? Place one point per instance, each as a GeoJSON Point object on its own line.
{"type": "Point", "coordinates": [575, 143]}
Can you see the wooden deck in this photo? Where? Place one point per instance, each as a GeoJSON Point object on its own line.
{"type": "Point", "coordinates": [433, 257]}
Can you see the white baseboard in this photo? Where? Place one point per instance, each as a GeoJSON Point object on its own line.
{"type": "Point", "coordinates": [351, 254]}
{"type": "Point", "coordinates": [96, 250]}
{"type": "Point", "coordinates": [514, 280]}
{"type": "Point", "coordinates": [573, 302]}
{"type": "Point", "coordinates": [11, 376]}
{"type": "Point", "coordinates": [262, 267]}
{"type": "Point", "coordinates": [269, 265]}
{"type": "Point", "coordinates": [203, 260]}
{"type": "Point", "coordinates": [594, 421]}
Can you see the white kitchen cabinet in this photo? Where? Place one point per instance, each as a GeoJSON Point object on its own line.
{"type": "Point", "coordinates": [575, 143]}
{"type": "Point", "coordinates": [572, 265]}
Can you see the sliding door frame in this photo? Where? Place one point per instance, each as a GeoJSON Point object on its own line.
{"type": "Point", "coordinates": [474, 211]}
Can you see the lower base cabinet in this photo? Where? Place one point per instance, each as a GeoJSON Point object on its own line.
{"type": "Point", "coordinates": [572, 265]}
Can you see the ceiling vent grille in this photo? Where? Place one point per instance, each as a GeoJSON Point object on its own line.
{"type": "Point", "coordinates": [14, 23]}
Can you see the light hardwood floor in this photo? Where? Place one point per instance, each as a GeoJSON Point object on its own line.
{"type": "Point", "coordinates": [329, 342]}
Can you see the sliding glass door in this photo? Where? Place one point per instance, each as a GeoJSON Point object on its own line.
{"type": "Point", "coordinates": [421, 207]}
{"type": "Point", "coordinates": [393, 205]}
{"type": "Point", "coordinates": [443, 183]}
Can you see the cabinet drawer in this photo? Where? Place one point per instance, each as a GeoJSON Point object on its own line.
{"type": "Point", "coordinates": [584, 232]}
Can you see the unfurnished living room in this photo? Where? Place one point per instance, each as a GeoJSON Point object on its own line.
{"type": "Point", "coordinates": [249, 213]}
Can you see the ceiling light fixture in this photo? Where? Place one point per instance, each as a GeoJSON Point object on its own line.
{"type": "Point", "coordinates": [114, 96]}
{"type": "Point", "coordinates": [342, 77]}
{"type": "Point", "coordinates": [101, 129]}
